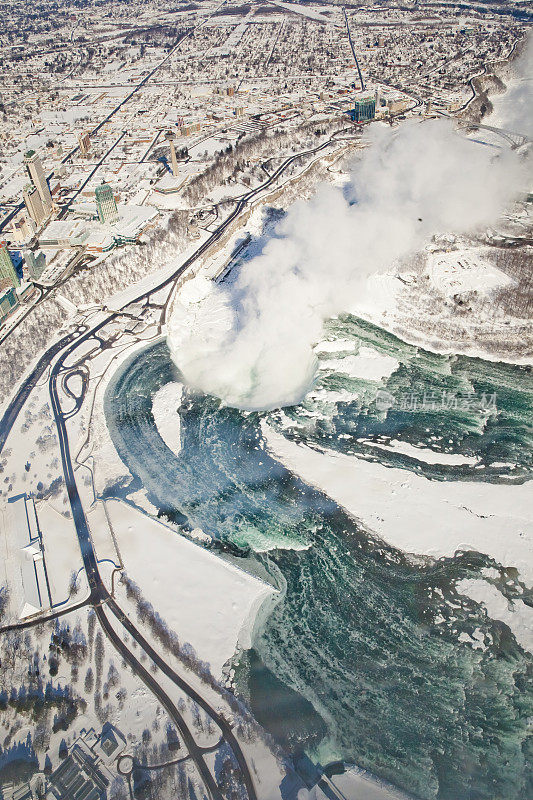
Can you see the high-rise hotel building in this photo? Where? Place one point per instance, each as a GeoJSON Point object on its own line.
{"type": "Point", "coordinates": [38, 178]}
{"type": "Point", "coordinates": [8, 273]}
{"type": "Point", "coordinates": [105, 203]}
{"type": "Point", "coordinates": [37, 195]}
{"type": "Point", "coordinates": [34, 204]}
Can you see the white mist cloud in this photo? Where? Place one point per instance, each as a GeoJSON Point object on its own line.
{"type": "Point", "coordinates": [514, 109]}
{"type": "Point", "coordinates": [251, 343]}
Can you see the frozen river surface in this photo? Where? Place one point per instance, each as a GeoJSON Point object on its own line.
{"type": "Point", "coordinates": [372, 655]}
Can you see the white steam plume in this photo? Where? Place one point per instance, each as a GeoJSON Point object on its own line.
{"type": "Point", "coordinates": [514, 109]}
{"type": "Point", "coordinates": [251, 343]}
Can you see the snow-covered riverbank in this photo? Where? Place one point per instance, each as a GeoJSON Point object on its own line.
{"type": "Point", "coordinates": [207, 601]}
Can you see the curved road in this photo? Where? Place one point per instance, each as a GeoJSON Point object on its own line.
{"type": "Point", "coordinates": [14, 407]}
{"type": "Point", "coordinates": [99, 596]}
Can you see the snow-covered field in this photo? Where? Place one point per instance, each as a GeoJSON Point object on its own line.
{"type": "Point", "coordinates": [210, 603]}
{"type": "Point", "coordinates": [455, 272]}
{"type": "Point", "coordinates": [63, 555]}
{"type": "Point", "coordinates": [296, 8]}
{"type": "Point", "coordinates": [420, 309]}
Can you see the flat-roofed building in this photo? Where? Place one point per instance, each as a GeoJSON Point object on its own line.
{"type": "Point", "coordinates": [80, 776]}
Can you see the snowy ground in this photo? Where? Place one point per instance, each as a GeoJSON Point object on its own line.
{"type": "Point", "coordinates": [420, 309]}
{"type": "Point", "coordinates": [210, 603]}
{"type": "Point", "coordinates": [356, 784]}
{"type": "Point", "coordinates": [305, 12]}
{"type": "Point", "coordinates": [455, 272]}
{"type": "Point", "coordinates": [63, 555]}
{"type": "Point", "coordinates": [210, 147]}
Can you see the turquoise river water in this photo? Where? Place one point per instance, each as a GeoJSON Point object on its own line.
{"type": "Point", "coordinates": [363, 658]}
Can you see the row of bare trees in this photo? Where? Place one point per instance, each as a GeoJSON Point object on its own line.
{"type": "Point", "coordinates": [22, 346]}
{"type": "Point", "coordinates": [232, 164]}
{"type": "Point", "coordinates": [245, 724]}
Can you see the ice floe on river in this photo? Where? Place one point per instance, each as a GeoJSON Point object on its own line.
{"type": "Point", "coordinates": [165, 408]}
{"type": "Point", "coordinates": [416, 514]}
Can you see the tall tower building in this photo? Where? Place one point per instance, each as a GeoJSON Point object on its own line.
{"type": "Point", "coordinates": [34, 204]}
{"type": "Point", "coordinates": [84, 142]}
{"type": "Point", "coordinates": [169, 136]}
{"type": "Point", "coordinates": [38, 178]}
{"type": "Point", "coordinates": [8, 274]}
{"type": "Point", "coordinates": [364, 109]}
{"type": "Point", "coordinates": [105, 203]}
{"type": "Point", "coordinates": [35, 263]}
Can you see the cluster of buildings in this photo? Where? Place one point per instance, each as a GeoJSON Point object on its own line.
{"type": "Point", "coordinates": [86, 771]}
{"type": "Point", "coordinates": [19, 267]}
{"type": "Point", "coordinates": [367, 107]}
{"type": "Point", "coordinates": [239, 73]}
{"type": "Point", "coordinates": [38, 233]}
